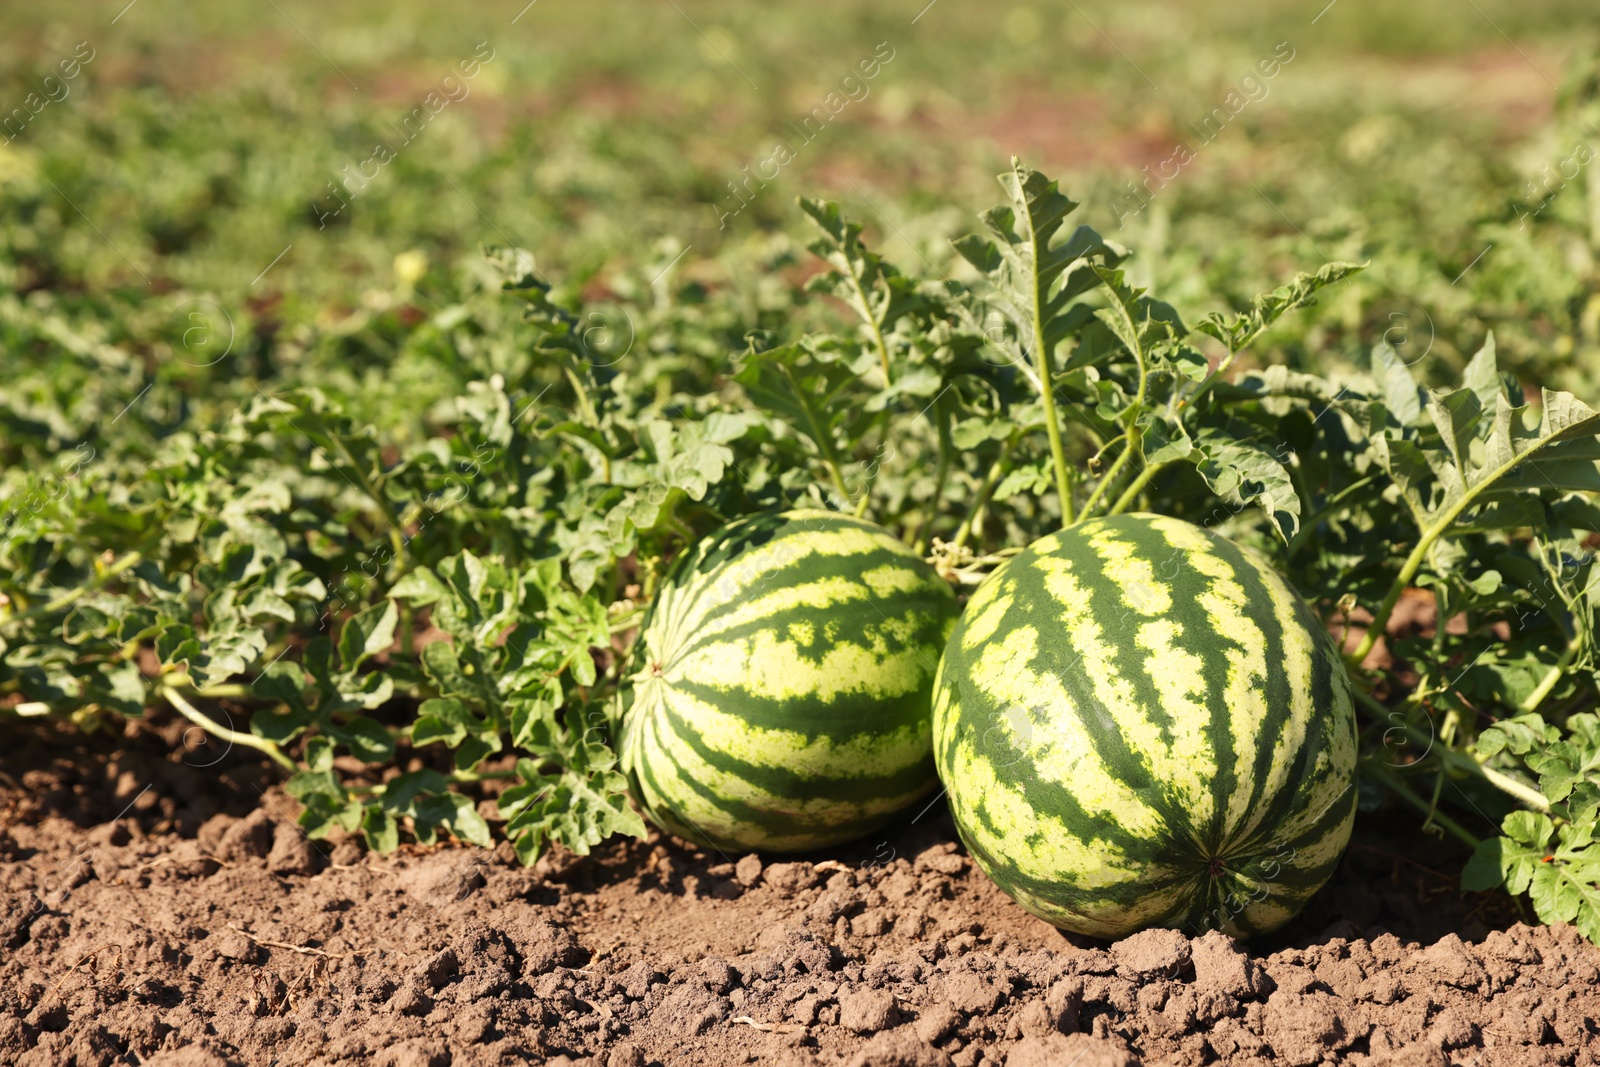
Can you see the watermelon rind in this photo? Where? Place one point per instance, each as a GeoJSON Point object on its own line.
{"type": "Point", "coordinates": [783, 684]}
{"type": "Point", "coordinates": [1140, 723]}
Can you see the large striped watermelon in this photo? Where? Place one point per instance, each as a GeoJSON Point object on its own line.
{"type": "Point", "coordinates": [785, 677]}
{"type": "Point", "coordinates": [1141, 724]}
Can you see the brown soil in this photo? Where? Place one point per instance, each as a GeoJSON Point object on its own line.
{"type": "Point", "coordinates": [200, 928]}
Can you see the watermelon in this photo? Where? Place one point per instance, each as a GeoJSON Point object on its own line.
{"type": "Point", "coordinates": [1139, 723]}
{"type": "Point", "coordinates": [784, 685]}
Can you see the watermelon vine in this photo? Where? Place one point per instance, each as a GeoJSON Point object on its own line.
{"type": "Point", "coordinates": [435, 629]}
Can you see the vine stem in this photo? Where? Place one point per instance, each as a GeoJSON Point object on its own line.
{"type": "Point", "coordinates": [1435, 530]}
{"type": "Point", "coordinates": [1550, 680]}
{"type": "Point", "coordinates": [1222, 367]}
{"type": "Point", "coordinates": [834, 473]}
{"type": "Point", "coordinates": [940, 473]}
{"type": "Point", "coordinates": [1132, 436]}
{"type": "Point", "coordinates": [210, 725]}
{"type": "Point", "coordinates": [481, 776]}
{"type": "Point", "coordinates": [1130, 494]}
{"type": "Point", "coordinates": [985, 491]}
{"type": "Point", "coordinates": [624, 623]}
{"type": "Point", "coordinates": [1525, 794]}
{"type": "Point", "coordinates": [72, 596]}
{"type": "Point", "coordinates": [872, 324]}
{"type": "Point", "coordinates": [1400, 789]}
{"type": "Point", "coordinates": [1047, 377]}
{"type": "Point", "coordinates": [184, 681]}
{"type": "Point", "coordinates": [397, 536]}
{"type": "Point", "coordinates": [1107, 479]}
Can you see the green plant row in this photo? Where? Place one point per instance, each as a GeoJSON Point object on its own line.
{"type": "Point", "coordinates": [410, 625]}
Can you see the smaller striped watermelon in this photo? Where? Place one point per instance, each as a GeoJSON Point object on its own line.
{"type": "Point", "coordinates": [784, 685]}
{"type": "Point", "coordinates": [1140, 723]}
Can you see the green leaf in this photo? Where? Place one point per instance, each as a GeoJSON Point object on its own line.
{"type": "Point", "coordinates": [402, 792]}
{"type": "Point", "coordinates": [281, 727]}
{"type": "Point", "coordinates": [576, 808]}
{"type": "Point", "coordinates": [1456, 414]}
{"type": "Point", "coordinates": [871, 286]}
{"type": "Point", "coordinates": [1518, 735]}
{"type": "Point", "coordinates": [1566, 422]}
{"type": "Point", "coordinates": [1165, 442]}
{"type": "Point", "coordinates": [1033, 478]}
{"type": "Point", "coordinates": [1484, 379]}
{"type": "Point", "coordinates": [1563, 885]}
{"type": "Point", "coordinates": [465, 822]}
{"type": "Point", "coordinates": [381, 830]}
{"type": "Point", "coordinates": [118, 686]}
{"type": "Point", "coordinates": [1238, 330]}
{"type": "Point", "coordinates": [367, 633]}
{"type": "Point", "coordinates": [451, 677]}
{"type": "Point", "coordinates": [580, 802]}
{"type": "Point", "coordinates": [516, 267]}
{"type": "Point", "coordinates": [1401, 391]}
{"type": "Point", "coordinates": [449, 720]}
{"type": "Point", "coordinates": [810, 396]}
{"type": "Point", "coordinates": [419, 587]}
{"type": "Point", "coordinates": [319, 754]}
{"type": "Point", "coordinates": [1028, 267]}
{"type": "Point", "coordinates": [440, 719]}
{"type": "Point", "coordinates": [1487, 867]}
{"type": "Point", "coordinates": [367, 741]}
{"type": "Point", "coordinates": [1524, 848]}
{"type": "Point", "coordinates": [1244, 471]}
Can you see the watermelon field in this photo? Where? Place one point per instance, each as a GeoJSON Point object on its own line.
{"type": "Point", "coordinates": [602, 534]}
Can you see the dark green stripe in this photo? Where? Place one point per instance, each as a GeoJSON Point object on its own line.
{"type": "Point", "coordinates": [1041, 795]}
{"type": "Point", "coordinates": [857, 621]}
{"type": "Point", "coordinates": [1060, 655]}
{"type": "Point", "coordinates": [664, 811]}
{"type": "Point", "coordinates": [852, 713]}
{"type": "Point", "coordinates": [1327, 824]}
{"type": "Point", "coordinates": [787, 784]}
{"type": "Point", "coordinates": [1277, 696]}
{"type": "Point", "coordinates": [1202, 635]}
{"type": "Point", "coordinates": [727, 545]}
{"type": "Point", "coordinates": [1130, 894]}
{"type": "Point", "coordinates": [803, 572]}
{"type": "Point", "coordinates": [753, 822]}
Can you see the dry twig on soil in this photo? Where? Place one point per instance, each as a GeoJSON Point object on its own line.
{"type": "Point", "coordinates": [304, 950]}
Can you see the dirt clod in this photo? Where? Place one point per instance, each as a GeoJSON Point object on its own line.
{"type": "Point", "coordinates": [248, 838]}
{"type": "Point", "coordinates": [868, 1011]}
{"type": "Point", "coordinates": [1152, 952]}
{"type": "Point", "coordinates": [1053, 1050]}
{"type": "Point", "coordinates": [188, 1057]}
{"type": "Point", "coordinates": [291, 852]}
{"type": "Point", "coordinates": [900, 1050]}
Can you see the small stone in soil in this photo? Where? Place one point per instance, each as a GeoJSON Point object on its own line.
{"type": "Point", "coordinates": [748, 870]}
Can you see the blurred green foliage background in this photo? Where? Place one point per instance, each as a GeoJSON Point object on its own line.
{"type": "Point", "coordinates": [168, 201]}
